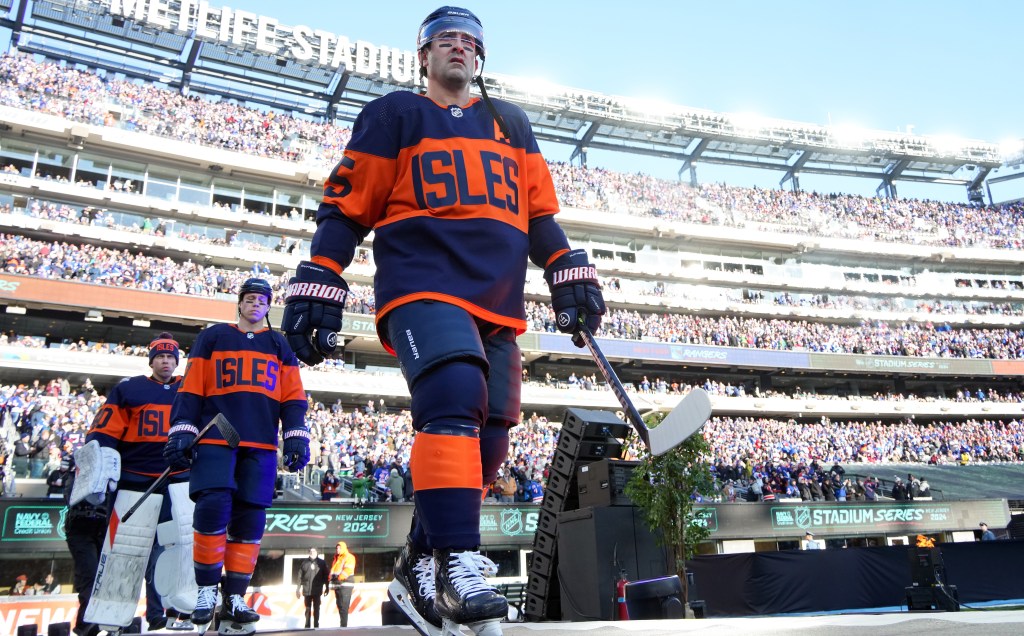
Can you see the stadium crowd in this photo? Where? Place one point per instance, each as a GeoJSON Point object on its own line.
{"type": "Point", "coordinates": [62, 212]}
{"type": "Point", "coordinates": [98, 99]}
{"type": "Point", "coordinates": [92, 264]}
{"type": "Point", "coordinates": [765, 456]}
{"type": "Point", "coordinates": [41, 422]}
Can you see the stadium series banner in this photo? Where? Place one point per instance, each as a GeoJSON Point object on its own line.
{"type": "Point", "coordinates": [244, 29]}
{"type": "Point", "coordinates": [39, 524]}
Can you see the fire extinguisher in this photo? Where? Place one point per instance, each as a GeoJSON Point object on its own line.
{"type": "Point", "coordinates": [620, 597]}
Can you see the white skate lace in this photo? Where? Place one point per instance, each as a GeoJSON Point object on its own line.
{"type": "Point", "coordinates": [237, 604]}
{"type": "Point", "coordinates": [464, 573]}
{"type": "Point", "coordinates": [424, 571]}
{"type": "Point", "coordinates": [207, 598]}
{"type": "Point", "coordinates": [487, 567]}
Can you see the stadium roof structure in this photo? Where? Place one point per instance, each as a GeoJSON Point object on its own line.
{"type": "Point", "coordinates": [231, 54]}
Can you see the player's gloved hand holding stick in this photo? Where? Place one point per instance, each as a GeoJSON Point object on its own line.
{"type": "Point", "coordinates": [575, 294]}
{"type": "Point", "coordinates": [178, 452]}
{"type": "Point", "coordinates": [313, 310]}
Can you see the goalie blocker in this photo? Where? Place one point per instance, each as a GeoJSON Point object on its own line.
{"type": "Point", "coordinates": [97, 471]}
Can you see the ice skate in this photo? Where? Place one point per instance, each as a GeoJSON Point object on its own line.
{"type": "Point", "coordinates": [182, 623]}
{"type": "Point", "coordinates": [206, 603]}
{"type": "Point", "coordinates": [236, 617]}
{"type": "Point", "coordinates": [413, 590]}
{"type": "Point", "coordinates": [463, 596]}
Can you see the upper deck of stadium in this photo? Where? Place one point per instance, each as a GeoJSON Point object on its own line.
{"type": "Point", "coordinates": [258, 60]}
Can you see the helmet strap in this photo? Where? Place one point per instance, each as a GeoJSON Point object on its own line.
{"type": "Point", "coordinates": [502, 126]}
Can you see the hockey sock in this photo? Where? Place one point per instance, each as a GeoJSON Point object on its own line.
{"type": "Point", "coordinates": [447, 472]}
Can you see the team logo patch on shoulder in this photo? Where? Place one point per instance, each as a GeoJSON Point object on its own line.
{"type": "Point", "coordinates": [456, 112]}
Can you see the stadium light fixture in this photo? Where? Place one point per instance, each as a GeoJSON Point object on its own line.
{"type": "Point", "coordinates": [651, 107]}
{"type": "Point", "coordinates": [1011, 149]}
{"type": "Point", "coordinates": [849, 135]}
{"type": "Point", "coordinates": [536, 86]}
{"type": "Point", "coordinates": [16, 309]}
{"type": "Point", "coordinates": [140, 322]}
{"type": "Point", "coordinates": [947, 145]}
{"type": "Point", "coordinates": [750, 124]}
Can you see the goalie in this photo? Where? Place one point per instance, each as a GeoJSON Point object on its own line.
{"type": "Point", "coordinates": [123, 455]}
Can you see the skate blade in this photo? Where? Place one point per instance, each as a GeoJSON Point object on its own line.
{"type": "Point", "coordinates": [486, 628]}
{"type": "Point", "coordinates": [232, 628]}
{"type": "Point", "coordinates": [403, 600]}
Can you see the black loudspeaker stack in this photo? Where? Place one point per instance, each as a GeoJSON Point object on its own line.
{"type": "Point", "coordinates": [930, 591]}
{"type": "Point", "coordinates": [586, 436]}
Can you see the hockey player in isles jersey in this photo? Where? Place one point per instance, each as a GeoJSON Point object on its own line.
{"type": "Point", "coordinates": [248, 373]}
{"type": "Point", "coordinates": [132, 424]}
{"type": "Point", "coordinates": [459, 198]}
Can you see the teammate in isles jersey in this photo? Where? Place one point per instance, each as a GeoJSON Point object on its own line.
{"type": "Point", "coordinates": [247, 372]}
{"type": "Point", "coordinates": [133, 423]}
{"type": "Point", "coordinates": [459, 198]}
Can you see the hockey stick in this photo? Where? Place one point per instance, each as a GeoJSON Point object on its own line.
{"type": "Point", "coordinates": [613, 381]}
{"type": "Point", "coordinates": [682, 421]}
{"type": "Point", "coordinates": [227, 431]}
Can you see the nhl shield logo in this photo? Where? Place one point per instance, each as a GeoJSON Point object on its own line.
{"type": "Point", "coordinates": [512, 522]}
{"type": "Point", "coordinates": [803, 517]}
{"type": "Point", "coordinates": [456, 112]}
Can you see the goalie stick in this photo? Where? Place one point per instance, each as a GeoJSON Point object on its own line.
{"type": "Point", "coordinates": [682, 421]}
{"type": "Point", "coordinates": [227, 431]}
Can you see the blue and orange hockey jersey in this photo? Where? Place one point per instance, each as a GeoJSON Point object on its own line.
{"type": "Point", "coordinates": [134, 421]}
{"type": "Point", "coordinates": [455, 208]}
{"type": "Point", "coordinates": [252, 378]}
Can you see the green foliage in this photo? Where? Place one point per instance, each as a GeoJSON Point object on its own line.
{"type": "Point", "coordinates": [662, 487]}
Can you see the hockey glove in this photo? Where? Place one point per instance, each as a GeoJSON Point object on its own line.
{"type": "Point", "coordinates": [295, 449]}
{"type": "Point", "coordinates": [575, 293]}
{"type": "Point", "coordinates": [178, 449]}
{"type": "Point", "coordinates": [312, 313]}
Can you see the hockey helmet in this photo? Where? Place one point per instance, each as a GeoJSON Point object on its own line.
{"type": "Point", "coordinates": [255, 286]}
{"type": "Point", "coordinates": [451, 19]}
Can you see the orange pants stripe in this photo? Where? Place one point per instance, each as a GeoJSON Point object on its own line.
{"type": "Point", "coordinates": [445, 461]}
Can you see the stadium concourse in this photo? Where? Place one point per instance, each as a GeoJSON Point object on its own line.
{"type": "Point", "coordinates": [882, 335]}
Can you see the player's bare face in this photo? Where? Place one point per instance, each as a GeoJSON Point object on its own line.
{"type": "Point", "coordinates": [253, 307]}
{"type": "Point", "coordinates": [163, 366]}
{"type": "Point", "coordinates": [451, 58]}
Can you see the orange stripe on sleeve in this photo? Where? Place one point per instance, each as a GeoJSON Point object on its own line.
{"type": "Point", "coordinates": [208, 549]}
{"type": "Point", "coordinates": [445, 461]}
{"type": "Point", "coordinates": [554, 257]}
{"type": "Point", "coordinates": [195, 376]}
{"type": "Point", "coordinates": [329, 263]}
{"type": "Point", "coordinates": [241, 557]}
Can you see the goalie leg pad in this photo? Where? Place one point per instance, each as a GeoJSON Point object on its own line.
{"type": "Point", "coordinates": [174, 575]}
{"type": "Point", "coordinates": [122, 563]}
{"type": "Point", "coordinates": [97, 470]}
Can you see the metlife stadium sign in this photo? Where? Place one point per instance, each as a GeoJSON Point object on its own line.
{"type": "Point", "coordinates": [244, 29]}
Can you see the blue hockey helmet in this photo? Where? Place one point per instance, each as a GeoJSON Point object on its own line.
{"type": "Point", "coordinates": [448, 20]}
{"type": "Point", "coordinates": [255, 286]}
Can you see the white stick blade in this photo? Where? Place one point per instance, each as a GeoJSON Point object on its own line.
{"type": "Point", "coordinates": [683, 421]}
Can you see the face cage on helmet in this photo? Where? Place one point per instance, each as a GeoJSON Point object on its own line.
{"type": "Point", "coordinates": [448, 24]}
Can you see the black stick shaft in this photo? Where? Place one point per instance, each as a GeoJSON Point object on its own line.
{"type": "Point", "coordinates": [613, 381]}
{"type": "Point", "coordinates": [162, 479]}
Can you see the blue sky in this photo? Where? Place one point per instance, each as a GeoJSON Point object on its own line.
{"type": "Point", "coordinates": [942, 67]}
